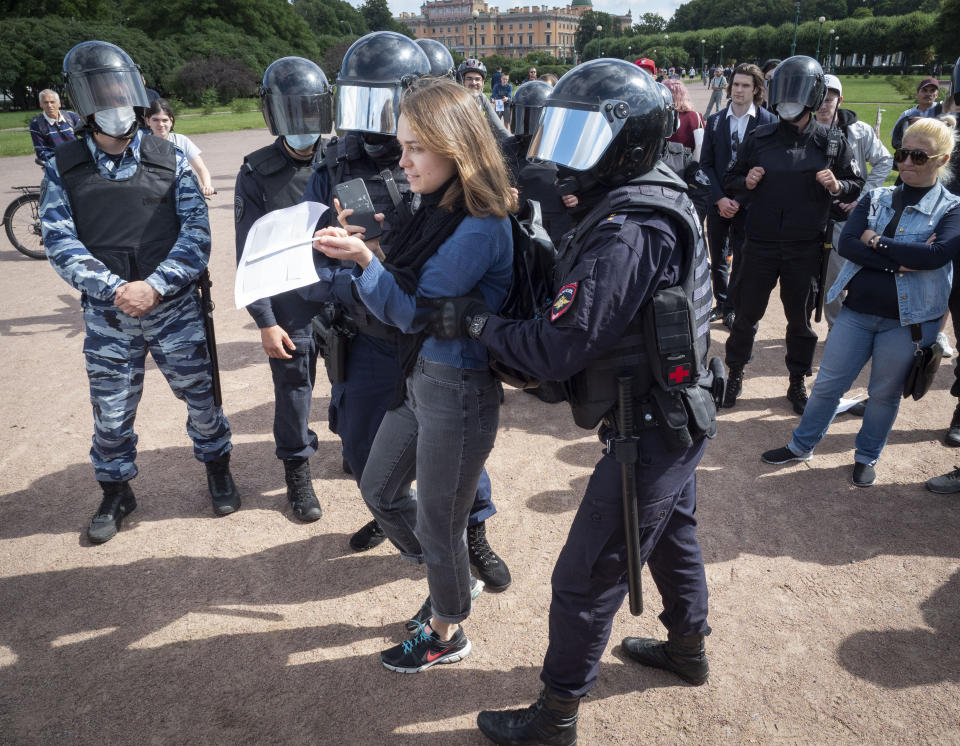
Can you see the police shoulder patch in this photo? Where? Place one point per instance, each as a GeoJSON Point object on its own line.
{"type": "Point", "coordinates": [237, 208]}
{"type": "Point", "coordinates": [563, 300]}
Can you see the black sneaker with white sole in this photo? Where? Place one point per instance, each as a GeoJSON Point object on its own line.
{"type": "Point", "coordinates": [782, 456]}
{"type": "Point", "coordinates": [425, 650]}
{"type": "Point", "coordinates": [420, 620]}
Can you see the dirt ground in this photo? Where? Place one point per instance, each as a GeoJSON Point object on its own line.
{"type": "Point", "coordinates": [834, 609]}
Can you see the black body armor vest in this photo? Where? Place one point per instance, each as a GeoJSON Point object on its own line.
{"type": "Point", "coordinates": [128, 224]}
{"type": "Point", "coordinates": [283, 181]}
{"type": "Point", "coordinates": [593, 391]}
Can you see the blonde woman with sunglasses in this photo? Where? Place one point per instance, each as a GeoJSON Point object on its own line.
{"type": "Point", "coordinates": [899, 245]}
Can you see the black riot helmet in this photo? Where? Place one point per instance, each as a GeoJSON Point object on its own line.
{"type": "Point", "coordinates": [527, 107]}
{"type": "Point", "coordinates": [296, 98]}
{"type": "Point", "coordinates": [375, 71]}
{"type": "Point", "coordinates": [607, 117]}
{"type": "Point", "coordinates": [100, 76]}
{"type": "Point", "coordinates": [471, 65]}
{"type": "Point", "coordinates": [796, 86]}
{"type": "Point", "coordinates": [441, 61]}
{"type": "Point", "coordinates": [955, 83]}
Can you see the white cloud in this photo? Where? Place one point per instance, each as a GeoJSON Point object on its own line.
{"type": "Point", "coordinates": [664, 8]}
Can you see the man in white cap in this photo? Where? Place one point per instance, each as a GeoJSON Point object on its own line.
{"type": "Point", "coordinates": [866, 148]}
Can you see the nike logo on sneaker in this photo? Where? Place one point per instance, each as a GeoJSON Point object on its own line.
{"type": "Point", "coordinates": [431, 656]}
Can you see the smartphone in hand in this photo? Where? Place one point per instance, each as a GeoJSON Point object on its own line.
{"type": "Point", "coordinates": [353, 195]}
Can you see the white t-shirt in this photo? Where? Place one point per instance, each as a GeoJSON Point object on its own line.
{"type": "Point", "coordinates": [185, 144]}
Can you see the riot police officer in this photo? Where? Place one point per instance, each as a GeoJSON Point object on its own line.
{"type": "Point", "coordinates": [124, 223]}
{"type": "Point", "coordinates": [297, 106]}
{"type": "Point", "coordinates": [373, 75]}
{"type": "Point", "coordinates": [634, 260]}
{"type": "Point", "coordinates": [791, 171]}
{"type": "Point", "coordinates": [536, 180]}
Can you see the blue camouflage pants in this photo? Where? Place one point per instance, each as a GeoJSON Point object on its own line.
{"type": "Point", "coordinates": [116, 348]}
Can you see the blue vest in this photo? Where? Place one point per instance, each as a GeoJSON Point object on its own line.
{"type": "Point", "coordinates": [921, 295]}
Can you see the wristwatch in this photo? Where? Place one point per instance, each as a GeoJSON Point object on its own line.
{"type": "Point", "coordinates": [475, 327]}
{"type": "Point", "coordinates": [874, 240]}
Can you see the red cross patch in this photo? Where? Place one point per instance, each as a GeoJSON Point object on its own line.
{"type": "Point", "coordinates": [679, 373]}
{"type": "Point", "coordinates": [564, 300]}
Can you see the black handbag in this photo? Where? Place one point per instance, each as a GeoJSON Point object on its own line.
{"type": "Point", "coordinates": [926, 361]}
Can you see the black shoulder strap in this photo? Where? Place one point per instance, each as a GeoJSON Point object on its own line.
{"type": "Point", "coordinates": [891, 230]}
{"type": "Point", "coordinates": [155, 151]}
{"type": "Point", "coordinates": [265, 161]}
{"type": "Point", "coordinates": [72, 154]}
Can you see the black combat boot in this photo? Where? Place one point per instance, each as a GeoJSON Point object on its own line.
{"type": "Point", "coordinates": [118, 502]}
{"type": "Point", "coordinates": [223, 491]}
{"type": "Point", "coordinates": [300, 492]}
{"type": "Point", "coordinates": [492, 570]}
{"type": "Point", "coordinates": [368, 537]}
{"type": "Point", "coordinates": [550, 721]}
{"type": "Point", "coordinates": [734, 386]}
{"type": "Point", "coordinates": [952, 438]}
{"type": "Point", "coordinates": [797, 393]}
{"type": "Point", "coordinates": [684, 656]}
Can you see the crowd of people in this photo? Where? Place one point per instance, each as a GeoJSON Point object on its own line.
{"type": "Point", "coordinates": [647, 203]}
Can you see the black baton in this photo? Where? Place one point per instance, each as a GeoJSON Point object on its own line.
{"type": "Point", "coordinates": [626, 453]}
{"type": "Point", "coordinates": [207, 306]}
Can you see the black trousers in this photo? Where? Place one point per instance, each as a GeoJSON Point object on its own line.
{"type": "Point", "coordinates": [725, 237]}
{"type": "Point", "coordinates": [954, 306]}
{"type": "Point", "coordinates": [796, 266]}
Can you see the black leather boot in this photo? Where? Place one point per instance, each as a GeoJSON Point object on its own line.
{"type": "Point", "coordinates": [300, 492]}
{"type": "Point", "coordinates": [550, 721]}
{"type": "Point", "coordinates": [734, 386]}
{"type": "Point", "coordinates": [952, 438]}
{"type": "Point", "coordinates": [490, 567]}
{"type": "Point", "coordinates": [797, 393]}
{"type": "Point", "coordinates": [118, 502]}
{"type": "Point", "coordinates": [684, 656]}
{"type": "Point", "coordinates": [223, 491]}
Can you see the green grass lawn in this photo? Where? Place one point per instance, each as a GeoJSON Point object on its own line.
{"type": "Point", "coordinates": [17, 142]}
{"type": "Point", "coordinates": [874, 90]}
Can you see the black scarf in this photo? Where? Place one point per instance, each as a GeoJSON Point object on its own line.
{"type": "Point", "coordinates": [414, 244]}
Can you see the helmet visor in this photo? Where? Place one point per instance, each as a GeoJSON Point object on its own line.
{"type": "Point", "coordinates": [97, 90]}
{"type": "Point", "coordinates": [575, 138]}
{"type": "Point", "coordinates": [792, 89]}
{"type": "Point", "coordinates": [364, 109]}
{"type": "Point", "coordinates": [525, 120]}
{"type": "Point", "coordinates": [298, 114]}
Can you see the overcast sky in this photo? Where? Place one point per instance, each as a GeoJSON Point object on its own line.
{"type": "Point", "coordinates": [637, 7]}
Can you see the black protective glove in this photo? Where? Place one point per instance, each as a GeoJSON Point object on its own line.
{"type": "Point", "coordinates": [451, 317]}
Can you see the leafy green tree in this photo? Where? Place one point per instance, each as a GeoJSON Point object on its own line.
{"type": "Point", "coordinates": [945, 30]}
{"type": "Point", "coordinates": [331, 17]}
{"type": "Point", "coordinates": [379, 18]}
{"type": "Point", "coordinates": [650, 23]}
{"type": "Point", "coordinates": [587, 29]}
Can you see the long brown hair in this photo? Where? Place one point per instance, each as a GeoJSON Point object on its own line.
{"type": "Point", "coordinates": [447, 121]}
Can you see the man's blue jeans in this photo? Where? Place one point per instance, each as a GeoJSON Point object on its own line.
{"type": "Point", "coordinates": [855, 339]}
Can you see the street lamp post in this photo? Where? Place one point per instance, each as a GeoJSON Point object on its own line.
{"type": "Point", "coordinates": [820, 20]}
{"type": "Point", "coordinates": [599, 38]}
{"type": "Point", "coordinates": [796, 22]}
{"type": "Point", "coordinates": [703, 63]}
{"type": "Point", "coordinates": [830, 51]}
{"type": "Point", "coordinates": [476, 15]}
{"type": "Point", "coordinates": [836, 53]}
{"type": "Point", "coordinates": [629, 53]}
{"type": "Point", "coordinates": [666, 47]}
{"type": "Point", "coordinates": [720, 60]}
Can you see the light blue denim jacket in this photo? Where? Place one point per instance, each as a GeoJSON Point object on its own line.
{"type": "Point", "coordinates": [921, 295]}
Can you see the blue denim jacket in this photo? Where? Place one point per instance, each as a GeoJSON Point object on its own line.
{"type": "Point", "coordinates": [921, 295]}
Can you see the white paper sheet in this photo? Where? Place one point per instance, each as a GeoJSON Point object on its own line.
{"type": "Point", "coordinates": [278, 255]}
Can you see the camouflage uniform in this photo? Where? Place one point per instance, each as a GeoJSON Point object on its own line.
{"type": "Point", "coordinates": [116, 343]}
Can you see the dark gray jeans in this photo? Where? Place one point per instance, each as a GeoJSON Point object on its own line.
{"type": "Point", "coordinates": [442, 435]}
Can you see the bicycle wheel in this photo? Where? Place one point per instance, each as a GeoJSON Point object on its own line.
{"type": "Point", "coordinates": [22, 221]}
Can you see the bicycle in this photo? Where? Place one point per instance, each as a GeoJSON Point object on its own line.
{"type": "Point", "coordinates": [22, 222]}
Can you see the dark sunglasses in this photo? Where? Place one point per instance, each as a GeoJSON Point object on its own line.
{"type": "Point", "coordinates": [917, 156]}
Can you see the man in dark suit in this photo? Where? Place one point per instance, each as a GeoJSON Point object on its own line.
{"type": "Point", "coordinates": [724, 132]}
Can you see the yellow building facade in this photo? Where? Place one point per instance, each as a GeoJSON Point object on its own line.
{"type": "Point", "coordinates": [475, 29]}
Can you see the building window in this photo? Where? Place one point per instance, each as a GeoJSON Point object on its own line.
{"type": "Point", "coordinates": [548, 24]}
{"type": "Point", "coordinates": [548, 38]}
{"type": "Point", "coordinates": [511, 39]}
{"type": "Point", "coordinates": [448, 29]}
{"type": "Point", "coordinates": [529, 38]}
{"type": "Point", "coordinates": [529, 25]}
{"type": "Point", "coordinates": [511, 27]}
{"type": "Point", "coordinates": [483, 41]}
